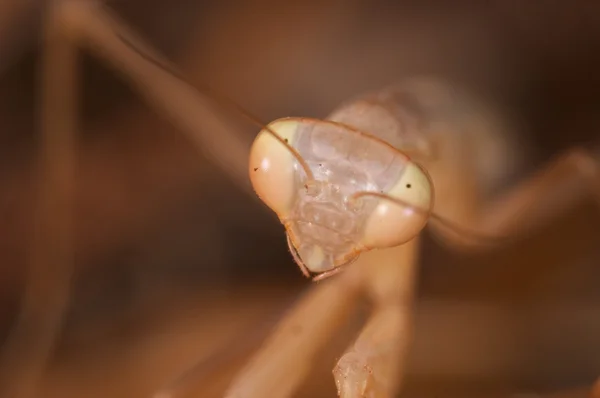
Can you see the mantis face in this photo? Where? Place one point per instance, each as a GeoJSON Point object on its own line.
{"type": "Point", "coordinates": [337, 191]}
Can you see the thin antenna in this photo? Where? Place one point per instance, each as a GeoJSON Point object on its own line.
{"type": "Point", "coordinates": [215, 95]}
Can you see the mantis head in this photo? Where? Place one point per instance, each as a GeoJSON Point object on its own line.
{"type": "Point", "coordinates": [338, 192]}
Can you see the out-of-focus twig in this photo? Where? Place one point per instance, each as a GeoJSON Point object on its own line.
{"type": "Point", "coordinates": [46, 294]}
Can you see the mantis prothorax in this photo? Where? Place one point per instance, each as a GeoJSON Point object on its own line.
{"type": "Point", "coordinates": [361, 182]}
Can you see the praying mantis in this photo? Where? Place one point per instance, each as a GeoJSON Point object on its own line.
{"type": "Point", "coordinates": [427, 161]}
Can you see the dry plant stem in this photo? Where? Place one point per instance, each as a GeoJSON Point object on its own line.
{"type": "Point", "coordinates": [93, 26]}
{"type": "Point", "coordinates": [50, 270]}
{"type": "Point", "coordinates": [282, 364]}
{"type": "Point", "coordinates": [372, 367]}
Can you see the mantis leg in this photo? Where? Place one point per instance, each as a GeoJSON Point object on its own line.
{"type": "Point", "coordinates": [372, 365]}
{"type": "Point", "coordinates": [46, 296]}
{"type": "Point", "coordinates": [563, 184]}
{"type": "Point", "coordinates": [285, 360]}
{"type": "Point", "coordinates": [89, 25]}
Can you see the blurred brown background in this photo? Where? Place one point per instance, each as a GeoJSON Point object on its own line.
{"type": "Point", "coordinates": [168, 248]}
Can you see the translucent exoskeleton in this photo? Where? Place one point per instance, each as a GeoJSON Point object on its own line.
{"type": "Point", "coordinates": [338, 191]}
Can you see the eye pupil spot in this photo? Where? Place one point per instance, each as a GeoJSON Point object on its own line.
{"type": "Point", "coordinates": [408, 185]}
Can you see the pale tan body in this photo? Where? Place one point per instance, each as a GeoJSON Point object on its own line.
{"type": "Point", "coordinates": [462, 180]}
{"type": "Point", "coordinates": [371, 367]}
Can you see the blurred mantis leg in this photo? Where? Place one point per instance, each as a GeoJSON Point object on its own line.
{"type": "Point", "coordinates": [560, 186]}
{"type": "Point", "coordinates": [220, 363]}
{"type": "Point", "coordinates": [372, 367]}
{"type": "Point", "coordinates": [285, 360]}
{"type": "Point", "coordinates": [94, 27]}
{"type": "Point", "coordinates": [47, 290]}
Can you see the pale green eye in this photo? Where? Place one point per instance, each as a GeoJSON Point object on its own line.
{"type": "Point", "coordinates": [392, 224]}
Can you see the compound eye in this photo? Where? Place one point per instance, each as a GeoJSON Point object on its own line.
{"type": "Point", "coordinates": [391, 223]}
{"type": "Point", "coordinates": [273, 167]}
